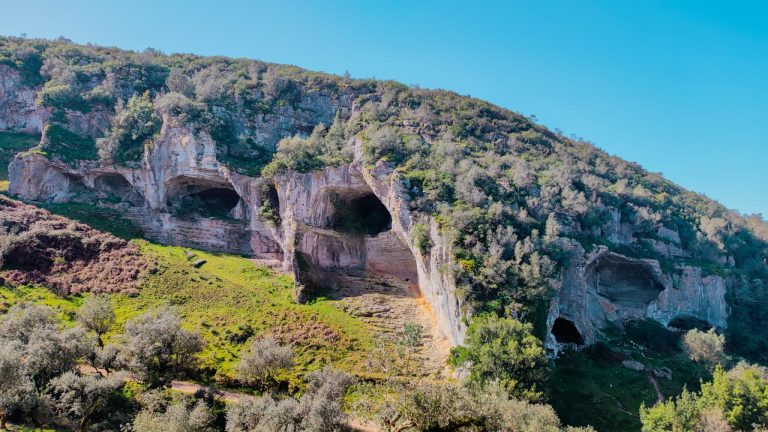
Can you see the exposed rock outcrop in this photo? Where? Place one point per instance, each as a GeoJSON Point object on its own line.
{"type": "Point", "coordinates": [18, 110]}
{"type": "Point", "coordinates": [181, 175]}
{"type": "Point", "coordinates": [601, 287]}
{"type": "Point", "coordinates": [183, 163]}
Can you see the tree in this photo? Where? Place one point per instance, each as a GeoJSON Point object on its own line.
{"type": "Point", "coordinates": [179, 83]}
{"type": "Point", "coordinates": [133, 124]}
{"type": "Point", "coordinates": [318, 410]}
{"type": "Point", "coordinates": [34, 350]}
{"type": "Point", "coordinates": [156, 349]}
{"type": "Point", "coordinates": [733, 401]}
{"type": "Point", "coordinates": [705, 347]}
{"type": "Point", "coordinates": [321, 404]}
{"type": "Point", "coordinates": [504, 350]}
{"type": "Point", "coordinates": [179, 417]}
{"type": "Point", "coordinates": [96, 315]}
{"type": "Point", "coordinates": [83, 398]}
{"type": "Point", "coordinates": [262, 361]}
{"type": "Point", "coordinates": [17, 391]}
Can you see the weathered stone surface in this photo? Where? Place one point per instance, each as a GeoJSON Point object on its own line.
{"type": "Point", "coordinates": [634, 365]}
{"type": "Point", "coordinates": [18, 111]}
{"type": "Point", "coordinates": [602, 287]}
{"type": "Point", "coordinates": [595, 288]}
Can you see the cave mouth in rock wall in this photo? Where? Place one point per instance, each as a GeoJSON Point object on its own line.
{"type": "Point", "coordinates": [688, 323]}
{"type": "Point", "coordinates": [364, 214]}
{"type": "Point", "coordinates": [191, 197]}
{"type": "Point", "coordinates": [115, 185]}
{"type": "Point", "coordinates": [625, 283]}
{"type": "Point", "coordinates": [565, 331]}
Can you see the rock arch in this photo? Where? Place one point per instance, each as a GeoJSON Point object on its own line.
{"type": "Point", "coordinates": [195, 197]}
{"type": "Point", "coordinates": [625, 283]}
{"type": "Point", "coordinates": [116, 185]}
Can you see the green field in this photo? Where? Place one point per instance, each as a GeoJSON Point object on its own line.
{"type": "Point", "coordinates": [592, 387]}
{"type": "Point", "coordinates": [228, 300]}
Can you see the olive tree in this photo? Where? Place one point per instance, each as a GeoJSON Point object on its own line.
{"type": "Point", "coordinates": [156, 348]}
{"type": "Point", "coordinates": [262, 361]}
{"type": "Point", "coordinates": [179, 417]}
{"type": "Point", "coordinates": [705, 347]}
{"type": "Point", "coordinates": [83, 398]}
{"type": "Point", "coordinates": [35, 350]}
{"type": "Point", "coordinates": [319, 409]}
{"type": "Point", "coordinates": [17, 391]}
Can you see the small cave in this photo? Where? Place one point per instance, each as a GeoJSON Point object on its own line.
{"type": "Point", "coordinates": [688, 323]}
{"type": "Point", "coordinates": [360, 215]}
{"type": "Point", "coordinates": [116, 187]}
{"type": "Point", "coordinates": [565, 332]}
{"type": "Point", "coordinates": [205, 199]}
{"type": "Point", "coordinates": [626, 283]}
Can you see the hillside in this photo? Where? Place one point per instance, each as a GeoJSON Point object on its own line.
{"type": "Point", "coordinates": [389, 205]}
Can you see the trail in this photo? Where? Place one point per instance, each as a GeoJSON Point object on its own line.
{"type": "Point", "coordinates": [655, 383]}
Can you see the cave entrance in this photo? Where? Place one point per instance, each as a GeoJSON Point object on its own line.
{"type": "Point", "coordinates": [565, 332]}
{"type": "Point", "coordinates": [115, 186]}
{"type": "Point", "coordinates": [625, 283]}
{"type": "Point", "coordinates": [689, 323]}
{"type": "Point", "coordinates": [360, 215]}
{"type": "Point", "coordinates": [190, 197]}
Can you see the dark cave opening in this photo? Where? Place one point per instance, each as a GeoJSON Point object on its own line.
{"type": "Point", "coordinates": [194, 197]}
{"type": "Point", "coordinates": [565, 331]}
{"type": "Point", "coordinates": [688, 323]}
{"type": "Point", "coordinates": [215, 203]}
{"type": "Point", "coordinates": [116, 186]}
{"type": "Point", "coordinates": [361, 215]}
{"type": "Point", "coordinates": [626, 283]}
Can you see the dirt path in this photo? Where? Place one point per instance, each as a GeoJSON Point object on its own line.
{"type": "Point", "coordinates": [659, 395]}
{"type": "Point", "coordinates": [387, 305]}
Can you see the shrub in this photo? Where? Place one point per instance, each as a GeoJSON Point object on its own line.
{"type": "Point", "coordinates": [421, 238]}
{"type": "Point", "coordinates": [504, 350]}
{"type": "Point", "coordinates": [177, 417]}
{"type": "Point", "coordinates": [156, 349]}
{"type": "Point", "coordinates": [83, 398]}
{"type": "Point", "coordinates": [262, 361]}
{"type": "Point", "coordinates": [705, 347]}
{"type": "Point", "coordinates": [68, 146]}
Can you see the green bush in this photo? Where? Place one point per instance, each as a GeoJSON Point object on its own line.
{"type": "Point", "coordinates": [504, 351]}
{"type": "Point", "coordinates": [421, 238]}
{"type": "Point", "coordinates": [68, 146]}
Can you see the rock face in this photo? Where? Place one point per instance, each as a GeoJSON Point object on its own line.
{"type": "Point", "coordinates": [314, 236]}
{"type": "Point", "coordinates": [183, 164]}
{"type": "Point", "coordinates": [602, 287]}
{"type": "Point", "coordinates": [18, 111]}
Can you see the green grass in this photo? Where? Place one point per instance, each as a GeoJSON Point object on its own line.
{"type": "Point", "coordinates": [590, 387]}
{"type": "Point", "coordinates": [226, 300]}
{"type": "Point", "coordinates": [12, 143]}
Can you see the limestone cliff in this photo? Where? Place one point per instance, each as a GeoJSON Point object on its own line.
{"type": "Point", "coordinates": [305, 233]}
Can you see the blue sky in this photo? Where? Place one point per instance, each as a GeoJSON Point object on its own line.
{"type": "Point", "coordinates": [679, 86]}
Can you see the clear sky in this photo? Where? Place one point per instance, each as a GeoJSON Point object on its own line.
{"type": "Point", "coordinates": [679, 86]}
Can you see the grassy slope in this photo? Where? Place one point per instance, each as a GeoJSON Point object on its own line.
{"type": "Point", "coordinates": [590, 387]}
{"type": "Point", "coordinates": [223, 300]}
{"type": "Point", "coordinates": [228, 299]}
